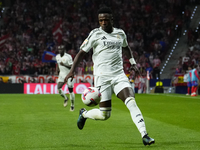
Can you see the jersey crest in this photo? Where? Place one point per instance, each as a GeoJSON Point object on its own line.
{"type": "Point", "coordinates": [118, 36]}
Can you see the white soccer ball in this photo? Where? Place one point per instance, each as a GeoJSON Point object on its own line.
{"type": "Point", "coordinates": [91, 96]}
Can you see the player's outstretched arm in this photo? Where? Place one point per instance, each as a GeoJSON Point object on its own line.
{"type": "Point", "coordinates": [77, 60]}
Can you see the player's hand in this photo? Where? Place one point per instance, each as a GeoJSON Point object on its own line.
{"type": "Point", "coordinates": [135, 68]}
{"type": "Point", "coordinates": [69, 75]}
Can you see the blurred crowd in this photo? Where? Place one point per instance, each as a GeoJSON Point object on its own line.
{"type": "Point", "coordinates": [192, 53]}
{"type": "Point", "coordinates": [27, 25]}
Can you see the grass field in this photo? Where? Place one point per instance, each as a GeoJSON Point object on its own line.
{"type": "Point", "coordinates": [40, 122]}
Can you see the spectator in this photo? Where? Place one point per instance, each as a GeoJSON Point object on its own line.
{"type": "Point", "coordinates": [156, 67]}
{"type": "Point", "coordinates": [180, 61]}
{"type": "Point", "coordinates": [178, 69]}
{"type": "Point", "coordinates": [16, 69]}
{"type": "Point", "coordinates": [150, 69]}
{"type": "Point", "coordinates": [185, 61]}
{"type": "Point", "coordinates": [151, 58]}
{"type": "Point", "coordinates": [28, 35]}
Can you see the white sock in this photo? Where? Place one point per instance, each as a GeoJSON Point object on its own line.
{"type": "Point", "coordinates": [62, 93]}
{"type": "Point", "coordinates": [72, 98]}
{"type": "Point", "coordinates": [136, 115]}
{"type": "Point", "coordinates": [97, 114]}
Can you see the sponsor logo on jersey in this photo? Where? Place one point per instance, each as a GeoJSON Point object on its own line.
{"type": "Point", "coordinates": [112, 44]}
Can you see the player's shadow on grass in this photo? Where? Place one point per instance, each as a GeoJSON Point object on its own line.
{"type": "Point", "coordinates": [131, 145]}
{"type": "Point", "coordinates": [157, 145]}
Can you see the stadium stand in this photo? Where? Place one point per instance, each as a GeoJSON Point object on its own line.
{"type": "Point", "coordinates": [28, 29]}
{"type": "Point", "coordinates": [185, 50]}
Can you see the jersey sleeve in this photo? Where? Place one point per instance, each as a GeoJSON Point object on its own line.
{"type": "Point", "coordinates": [195, 72]}
{"type": "Point", "coordinates": [125, 43]}
{"type": "Point", "coordinates": [88, 43]}
{"type": "Point", "coordinates": [70, 61]}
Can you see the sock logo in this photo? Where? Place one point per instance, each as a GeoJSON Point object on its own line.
{"type": "Point", "coordinates": [141, 120]}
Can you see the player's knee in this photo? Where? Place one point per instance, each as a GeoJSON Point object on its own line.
{"type": "Point", "coordinates": [105, 113]}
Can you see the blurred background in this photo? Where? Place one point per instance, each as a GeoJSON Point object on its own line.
{"type": "Point", "coordinates": [164, 37]}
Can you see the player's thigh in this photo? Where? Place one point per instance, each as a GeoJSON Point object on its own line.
{"type": "Point", "coordinates": [106, 95]}
{"type": "Point", "coordinates": [123, 90]}
{"type": "Point", "coordinates": [125, 93]}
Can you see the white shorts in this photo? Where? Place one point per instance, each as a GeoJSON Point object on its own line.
{"type": "Point", "coordinates": [61, 78]}
{"type": "Point", "coordinates": [113, 85]}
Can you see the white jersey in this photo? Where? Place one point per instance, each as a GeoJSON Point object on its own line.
{"type": "Point", "coordinates": [107, 51]}
{"type": "Point", "coordinates": [67, 60]}
{"type": "Point", "coordinates": [186, 77]}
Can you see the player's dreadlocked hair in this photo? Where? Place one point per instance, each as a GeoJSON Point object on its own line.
{"type": "Point", "coordinates": [105, 9]}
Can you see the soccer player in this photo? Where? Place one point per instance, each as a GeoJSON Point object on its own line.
{"type": "Point", "coordinates": [194, 78]}
{"type": "Point", "coordinates": [64, 63]}
{"type": "Point", "coordinates": [107, 43]}
{"type": "Point", "coordinates": [188, 80]}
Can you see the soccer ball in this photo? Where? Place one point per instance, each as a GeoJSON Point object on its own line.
{"type": "Point", "coordinates": [91, 96]}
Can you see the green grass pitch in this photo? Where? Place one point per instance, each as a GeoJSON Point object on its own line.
{"type": "Point", "coordinates": [40, 122]}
